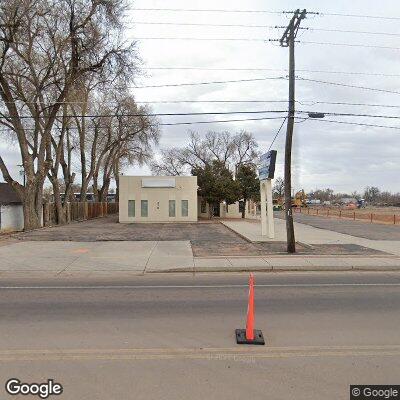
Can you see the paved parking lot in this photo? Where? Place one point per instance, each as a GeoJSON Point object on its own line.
{"type": "Point", "coordinates": [206, 239]}
{"type": "Point", "coordinates": [108, 229]}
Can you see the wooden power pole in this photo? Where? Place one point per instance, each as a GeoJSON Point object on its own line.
{"type": "Point", "coordinates": [288, 40]}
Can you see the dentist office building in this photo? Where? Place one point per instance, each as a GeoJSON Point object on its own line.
{"type": "Point", "coordinates": [170, 199]}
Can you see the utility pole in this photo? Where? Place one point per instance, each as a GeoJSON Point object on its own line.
{"type": "Point", "coordinates": [288, 40]}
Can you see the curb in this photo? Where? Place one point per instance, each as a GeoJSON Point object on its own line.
{"type": "Point", "coordinates": [277, 269]}
{"type": "Point", "coordinates": [35, 275]}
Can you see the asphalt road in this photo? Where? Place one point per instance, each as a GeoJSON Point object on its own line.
{"type": "Point", "coordinates": [172, 336]}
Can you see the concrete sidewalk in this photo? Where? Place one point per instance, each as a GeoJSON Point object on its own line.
{"type": "Point", "coordinates": [251, 230]}
{"type": "Point", "coordinates": [64, 259]}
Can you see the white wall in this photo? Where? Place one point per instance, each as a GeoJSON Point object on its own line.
{"type": "Point", "coordinates": [11, 218]}
{"type": "Point", "coordinates": [158, 197]}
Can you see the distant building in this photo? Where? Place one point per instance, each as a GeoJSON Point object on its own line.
{"type": "Point", "coordinates": [313, 202]}
{"type": "Point", "coordinates": [110, 198]}
{"type": "Point", "coordinates": [11, 212]}
{"type": "Point", "coordinates": [348, 200]}
{"type": "Point", "coordinates": [75, 196]}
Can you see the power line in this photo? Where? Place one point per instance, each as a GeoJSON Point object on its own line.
{"type": "Point", "coordinates": [219, 121]}
{"type": "Point", "coordinates": [209, 83]}
{"type": "Point", "coordinates": [347, 85]}
{"type": "Point", "coordinates": [276, 135]}
{"type": "Point", "coordinates": [163, 114]}
{"type": "Point", "coordinates": [204, 24]}
{"type": "Point", "coordinates": [311, 103]}
{"type": "Point", "coordinates": [189, 122]}
{"type": "Point", "coordinates": [302, 102]}
{"type": "Point", "coordinates": [373, 46]}
{"type": "Point", "coordinates": [354, 123]}
{"type": "Point", "coordinates": [210, 101]}
{"type": "Point", "coordinates": [250, 119]}
{"type": "Point", "coordinates": [266, 41]}
{"type": "Point", "coordinates": [198, 24]}
{"type": "Point", "coordinates": [202, 39]}
{"type": "Point", "coordinates": [275, 69]}
{"type": "Point", "coordinates": [352, 31]}
{"type": "Point", "coordinates": [322, 14]}
{"type": "Point", "coordinates": [209, 10]}
{"type": "Point", "coordinates": [182, 114]}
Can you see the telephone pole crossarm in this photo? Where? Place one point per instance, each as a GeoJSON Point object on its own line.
{"type": "Point", "coordinates": [292, 28]}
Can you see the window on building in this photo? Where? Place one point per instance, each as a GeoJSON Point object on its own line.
{"type": "Point", "coordinates": [144, 209]}
{"type": "Point", "coordinates": [203, 207]}
{"type": "Point", "coordinates": [185, 208]}
{"type": "Point", "coordinates": [131, 208]}
{"type": "Point", "coordinates": [172, 208]}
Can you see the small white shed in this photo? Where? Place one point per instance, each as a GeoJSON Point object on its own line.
{"type": "Point", "coordinates": [11, 213]}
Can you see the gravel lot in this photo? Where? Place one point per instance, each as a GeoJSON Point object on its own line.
{"type": "Point", "coordinates": [355, 228]}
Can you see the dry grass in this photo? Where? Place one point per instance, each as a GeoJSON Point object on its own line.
{"type": "Point", "coordinates": [382, 215]}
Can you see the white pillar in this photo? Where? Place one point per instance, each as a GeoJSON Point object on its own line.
{"type": "Point", "coordinates": [270, 209]}
{"type": "Point", "coordinates": [263, 209]}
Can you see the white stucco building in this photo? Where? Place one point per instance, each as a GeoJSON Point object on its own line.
{"type": "Point", "coordinates": [157, 199]}
{"type": "Point", "coordinates": [11, 212]}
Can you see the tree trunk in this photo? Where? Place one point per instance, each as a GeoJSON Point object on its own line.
{"type": "Point", "coordinates": [32, 218]}
{"type": "Point", "coordinates": [95, 189]}
{"type": "Point", "coordinates": [116, 177]}
{"type": "Point", "coordinates": [60, 215]}
{"type": "Point", "coordinates": [244, 208]}
{"type": "Point", "coordinates": [84, 189]}
{"type": "Point", "coordinates": [103, 192]}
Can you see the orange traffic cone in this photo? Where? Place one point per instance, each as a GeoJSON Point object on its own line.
{"type": "Point", "coordinates": [250, 335]}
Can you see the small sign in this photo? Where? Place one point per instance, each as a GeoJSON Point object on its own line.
{"type": "Point", "coordinates": [158, 182]}
{"type": "Point", "coordinates": [267, 165]}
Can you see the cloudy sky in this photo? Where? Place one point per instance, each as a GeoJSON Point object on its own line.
{"type": "Point", "coordinates": [340, 156]}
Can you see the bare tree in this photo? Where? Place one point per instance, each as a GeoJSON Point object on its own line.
{"type": "Point", "coordinates": [230, 150]}
{"type": "Point", "coordinates": [170, 163]}
{"type": "Point", "coordinates": [126, 134]}
{"type": "Point", "coordinates": [45, 48]}
{"type": "Point", "coordinates": [279, 187]}
{"type": "Point", "coordinates": [372, 194]}
{"type": "Point", "coordinates": [62, 153]}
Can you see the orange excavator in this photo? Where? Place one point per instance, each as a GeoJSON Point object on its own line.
{"type": "Point", "coordinates": [300, 199]}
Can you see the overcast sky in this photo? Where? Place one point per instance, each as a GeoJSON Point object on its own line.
{"type": "Point", "coordinates": [342, 157]}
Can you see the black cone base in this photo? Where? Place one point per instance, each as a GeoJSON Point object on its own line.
{"type": "Point", "coordinates": [241, 337]}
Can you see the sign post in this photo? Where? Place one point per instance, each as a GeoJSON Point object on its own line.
{"type": "Point", "coordinates": [263, 207]}
{"type": "Point", "coordinates": [265, 175]}
{"type": "Point", "coordinates": [270, 209]}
